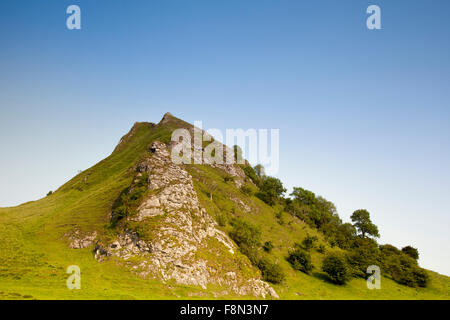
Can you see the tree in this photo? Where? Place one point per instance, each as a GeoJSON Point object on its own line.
{"type": "Point", "coordinates": [304, 196]}
{"type": "Point", "coordinates": [361, 221]}
{"type": "Point", "coordinates": [412, 252]}
{"type": "Point", "coordinates": [271, 190]}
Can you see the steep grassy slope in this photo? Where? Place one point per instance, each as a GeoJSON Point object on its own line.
{"type": "Point", "coordinates": [34, 253]}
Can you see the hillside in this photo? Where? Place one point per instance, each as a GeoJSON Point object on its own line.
{"type": "Point", "coordinates": [140, 227]}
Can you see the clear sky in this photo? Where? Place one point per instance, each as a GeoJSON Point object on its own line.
{"type": "Point", "coordinates": [363, 114]}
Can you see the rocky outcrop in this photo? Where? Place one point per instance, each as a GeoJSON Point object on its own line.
{"type": "Point", "coordinates": [180, 241]}
{"type": "Point", "coordinates": [80, 240]}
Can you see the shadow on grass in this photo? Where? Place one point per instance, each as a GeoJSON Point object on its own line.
{"type": "Point", "coordinates": [322, 276]}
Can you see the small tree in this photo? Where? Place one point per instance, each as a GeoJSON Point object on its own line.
{"type": "Point", "coordinates": [335, 266]}
{"type": "Point", "coordinates": [49, 193]}
{"type": "Point", "coordinates": [361, 221]}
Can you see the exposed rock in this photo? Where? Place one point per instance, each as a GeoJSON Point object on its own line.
{"type": "Point", "coordinates": [80, 240]}
{"type": "Point", "coordinates": [186, 245]}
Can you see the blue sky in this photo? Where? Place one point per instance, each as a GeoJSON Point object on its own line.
{"type": "Point", "coordinates": [363, 115]}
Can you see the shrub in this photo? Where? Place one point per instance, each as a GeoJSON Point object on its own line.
{"type": "Point", "coordinates": [49, 193]}
{"type": "Point", "coordinates": [300, 260]}
{"type": "Point", "coordinates": [268, 246]}
{"type": "Point", "coordinates": [336, 268]}
{"type": "Point", "coordinates": [270, 271]}
{"type": "Point", "coordinates": [309, 242]}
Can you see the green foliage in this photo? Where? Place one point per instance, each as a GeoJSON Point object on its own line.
{"type": "Point", "coordinates": [335, 267]}
{"type": "Point", "coordinates": [364, 253]}
{"type": "Point", "coordinates": [245, 189]}
{"type": "Point", "coordinates": [412, 252]}
{"type": "Point", "coordinates": [247, 236]}
{"type": "Point", "coordinates": [129, 199]}
{"type": "Point", "coordinates": [222, 219]}
{"type": "Point", "coordinates": [49, 193]}
{"type": "Point", "coordinates": [271, 190]}
{"type": "Point", "coordinates": [300, 260]}
{"type": "Point", "coordinates": [402, 267]}
{"type": "Point", "coordinates": [362, 222]}
{"type": "Point", "coordinates": [270, 271]}
{"type": "Point", "coordinates": [304, 196]}
{"type": "Point", "coordinates": [316, 211]}
{"type": "Point", "coordinates": [309, 242]}
{"type": "Point", "coordinates": [268, 246]}
{"type": "Point", "coordinates": [250, 172]}
{"type": "Point", "coordinates": [280, 217]}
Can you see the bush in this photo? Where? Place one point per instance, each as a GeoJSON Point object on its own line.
{"type": "Point", "coordinates": [271, 272]}
{"type": "Point", "coordinates": [49, 193]}
{"type": "Point", "coordinates": [300, 260]}
{"type": "Point", "coordinates": [268, 246]}
{"type": "Point", "coordinates": [309, 242]}
{"type": "Point", "coordinates": [336, 268]}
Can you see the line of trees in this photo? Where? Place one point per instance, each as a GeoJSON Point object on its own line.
{"type": "Point", "coordinates": [357, 239]}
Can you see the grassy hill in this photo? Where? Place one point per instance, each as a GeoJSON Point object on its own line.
{"type": "Point", "coordinates": [34, 251]}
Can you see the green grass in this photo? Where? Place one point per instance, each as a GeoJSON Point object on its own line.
{"type": "Point", "coordinates": [34, 253]}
